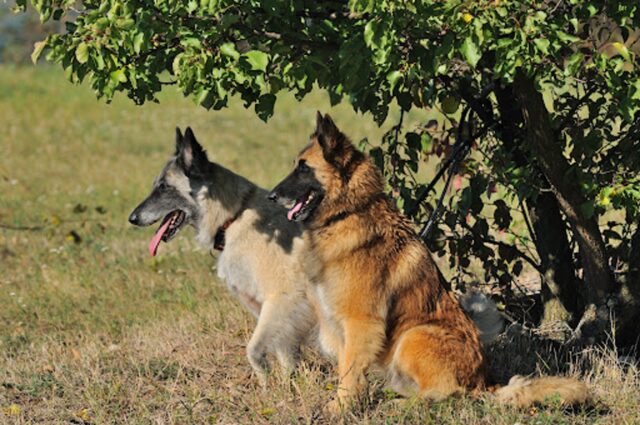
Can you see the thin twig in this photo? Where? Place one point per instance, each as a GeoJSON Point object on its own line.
{"type": "Point", "coordinates": [516, 251]}
{"type": "Point", "coordinates": [576, 106]}
{"type": "Point", "coordinates": [394, 152]}
{"type": "Point", "coordinates": [512, 248]}
{"type": "Point", "coordinates": [525, 214]}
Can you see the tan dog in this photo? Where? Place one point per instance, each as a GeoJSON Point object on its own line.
{"type": "Point", "coordinates": [379, 294]}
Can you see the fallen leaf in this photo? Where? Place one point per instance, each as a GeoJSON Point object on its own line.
{"type": "Point", "coordinates": [267, 411]}
{"type": "Point", "coordinates": [55, 220]}
{"type": "Point", "coordinates": [12, 410]}
{"type": "Point", "coordinates": [83, 414]}
{"type": "Point", "coordinates": [73, 236]}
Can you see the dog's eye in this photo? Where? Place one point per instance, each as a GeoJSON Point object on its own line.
{"type": "Point", "coordinates": [303, 167]}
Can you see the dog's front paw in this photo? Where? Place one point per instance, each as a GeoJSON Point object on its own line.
{"type": "Point", "coordinates": [263, 379]}
{"type": "Point", "coordinates": [339, 405]}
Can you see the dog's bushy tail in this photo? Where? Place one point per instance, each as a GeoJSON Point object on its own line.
{"type": "Point", "coordinates": [484, 313]}
{"type": "Point", "coordinates": [522, 391]}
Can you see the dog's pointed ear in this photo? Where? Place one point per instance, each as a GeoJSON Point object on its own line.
{"type": "Point", "coordinates": [329, 127]}
{"type": "Point", "coordinates": [190, 153]}
{"type": "Point", "coordinates": [325, 126]}
{"type": "Point", "coordinates": [319, 120]}
{"type": "Point", "coordinates": [179, 140]}
{"type": "Point", "coordinates": [328, 135]}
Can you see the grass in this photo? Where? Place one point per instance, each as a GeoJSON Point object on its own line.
{"type": "Point", "coordinates": [94, 331]}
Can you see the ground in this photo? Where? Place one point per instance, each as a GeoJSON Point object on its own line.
{"type": "Point", "coordinates": [94, 331]}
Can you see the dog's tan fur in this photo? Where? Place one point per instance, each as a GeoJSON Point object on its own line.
{"type": "Point", "coordinates": [524, 392]}
{"type": "Point", "coordinates": [380, 297]}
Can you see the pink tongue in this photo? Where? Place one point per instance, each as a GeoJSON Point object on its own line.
{"type": "Point", "coordinates": [155, 241]}
{"type": "Point", "coordinates": [297, 207]}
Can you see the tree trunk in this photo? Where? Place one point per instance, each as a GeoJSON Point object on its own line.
{"type": "Point", "coordinates": [540, 138]}
{"type": "Point", "coordinates": [560, 293]}
{"type": "Point", "coordinates": [559, 284]}
{"type": "Point", "coordinates": [633, 276]}
{"type": "Point", "coordinates": [629, 333]}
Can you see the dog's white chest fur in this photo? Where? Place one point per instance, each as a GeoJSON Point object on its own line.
{"type": "Point", "coordinates": [331, 332]}
{"type": "Point", "coordinates": [325, 305]}
{"type": "Point", "coordinates": [240, 279]}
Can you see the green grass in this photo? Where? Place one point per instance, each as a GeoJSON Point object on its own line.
{"type": "Point", "coordinates": [94, 331]}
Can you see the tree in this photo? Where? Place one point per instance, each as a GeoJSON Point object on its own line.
{"type": "Point", "coordinates": [18, 33]}
{"type": "Point", "coordinates": [552, 86]}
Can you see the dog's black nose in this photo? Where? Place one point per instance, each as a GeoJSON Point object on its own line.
{"type": "Point", "coordinates": [134, 219]}
{"type": "Point", "coordinates": [273, 196]}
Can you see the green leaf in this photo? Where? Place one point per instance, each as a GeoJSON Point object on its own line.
{"type": "Point", "coordinates": [82, 52]}
{"type": "Point", "coordinates": [450, 104]}
{"type": "Point", "coordinates": [44, 9]}
{"type": "Point", "coordinates": [392, 78]}
{"type": "Point", "coordinates": [99, 60]}
{"type": "Point", "coordinates": [37, 50]}
{"type": "Point", "coordinates": [176, 65]}
{"type": "Point", "coordinates": [517, 268]}
{"type": "Point", "coordinates": [426, 142]}
{"type": "Point", "coordinates": [118, 76]}
{"type": "Point", "coordinates": [507, 253]}
{"type": "Point", "coordinates": [413, 141]}
{"type": "Point", "coordinates": [101, 24]}
{"type": "Point", "coordinates": [378, 157]}
{"type": "Point", "coordinates": [257, 59]}
{"type": "Point", "coordinates": [229, 49]}
{"type": "Point", "coordinates": [125, 24]}
{"type": "Point", "coordinates": [542, 44]}
{"type": "Point", "coordinates": [264, 107]}
{"type": "Point", "coordinates": [369, 33]}
{"type": "Point", "coordinates": [20, 5]}
{"type": "Point", "coordinates": [138, 41]}
{"type": "Point", "coordinates": [622, 50]}
{"type": "Point", "coordinates": [203, 97]}
{"type": "Point", "coordinates": [501, 215]}
{"type": "Point", "coordinates": [470, 52]}
{"type": "Point", "coordinates": [567, 38]}
{"type": "Point", "coordinates": [191, 42]}
{"type": "Point", "coordinates": [573, 63]}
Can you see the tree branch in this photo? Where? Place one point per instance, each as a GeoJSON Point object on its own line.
{"type": "Point", "coordinates": [540, 138]}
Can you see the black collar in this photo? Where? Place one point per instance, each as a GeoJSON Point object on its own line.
{"type": "Point", "coordinates": [357, 210]}
{"type": "Point", "coordinates": [218, 239]}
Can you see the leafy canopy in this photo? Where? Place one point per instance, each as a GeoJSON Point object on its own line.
{"type": "Point", "coordinates": [371, 52]}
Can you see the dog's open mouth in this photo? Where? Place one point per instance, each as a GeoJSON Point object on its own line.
{"type": "Point", "coordinates": [167, 230]}
{"type": "Point", "coordinates": [303, 206]}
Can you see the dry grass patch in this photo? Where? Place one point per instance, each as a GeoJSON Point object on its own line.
{"type": "Point", "coordinates": [193, 370]}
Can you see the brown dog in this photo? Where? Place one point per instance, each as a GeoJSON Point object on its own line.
{"type": "Point", "coordinates": [379, 294]}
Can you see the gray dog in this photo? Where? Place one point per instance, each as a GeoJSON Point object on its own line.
{"type": "Point", "coordinates": [260, 249]}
